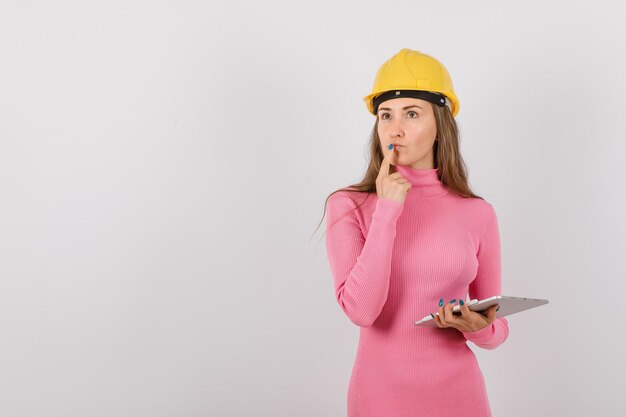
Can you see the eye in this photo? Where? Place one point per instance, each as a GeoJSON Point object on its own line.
{"type": "Point", "coordinates": [413, 113]}
{"type": "Point", "coordinates": [382, 116]}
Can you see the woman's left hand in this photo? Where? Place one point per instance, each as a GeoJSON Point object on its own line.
{"type": "Point", "coordinates": [468, 321]}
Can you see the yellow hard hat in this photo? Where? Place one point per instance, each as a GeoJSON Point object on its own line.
{"type": "Point", "coordinates": [411, 73]}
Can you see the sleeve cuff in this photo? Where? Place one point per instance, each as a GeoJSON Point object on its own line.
{"type": "Point", "coordinates": [481, 336]}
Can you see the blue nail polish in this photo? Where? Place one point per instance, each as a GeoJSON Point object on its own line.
{"type": "Point", "coordinates": [440, 302]}
{"type": "Point", "coordinates": [390, 146]}
{"type": "Point", "coordinates": [462, 302]}
{"type": "Point", "coordinates": [453, 301]}
{"type": "Point", "coordinates": [432, 315]}
{"type": "Point", "coordinates": [498, 308]}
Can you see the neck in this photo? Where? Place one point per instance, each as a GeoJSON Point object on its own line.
{"type": "Point", "coordinates": [425, 182]}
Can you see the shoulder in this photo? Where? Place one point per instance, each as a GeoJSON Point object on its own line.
{"type": "Point", "coordinates": [350, 206]}
{"type": "Point", "coordinates": [477, 210]}
{"type": "Point", "coordinates": [340, 197]}
{"type": "Point", "coordinates": [485, 215]}
{"type": "Point", "coordinates": [484, 208]}
{"type": "Point", "coordinates": [476, 204]}
{"type": "Point", "coordinates": [346, 199]}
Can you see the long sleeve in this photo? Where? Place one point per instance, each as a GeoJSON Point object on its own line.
{"type": "Point", "coordinates": [361, 267]}
{"type": "Point", "coordinates": [487, 283]}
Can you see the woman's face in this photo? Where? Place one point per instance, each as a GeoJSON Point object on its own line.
{"type": "Point", "coordinates": [408, 123]}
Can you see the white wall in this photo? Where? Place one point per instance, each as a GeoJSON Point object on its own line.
{"type": "Point", "coordinates": [164, 164]}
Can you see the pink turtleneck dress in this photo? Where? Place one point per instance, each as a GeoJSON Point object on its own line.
{"type": "Point", "coordinates": [391, 263]}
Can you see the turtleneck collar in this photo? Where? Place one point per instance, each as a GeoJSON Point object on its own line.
{"type": "Point", "coordinates": [425, 182]}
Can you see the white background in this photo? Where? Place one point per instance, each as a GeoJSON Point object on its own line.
{"type": "Point", "coordinates": [163, 166]}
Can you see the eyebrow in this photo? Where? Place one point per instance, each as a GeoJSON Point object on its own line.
{"type": "Point", "coordinates": [403, 108]}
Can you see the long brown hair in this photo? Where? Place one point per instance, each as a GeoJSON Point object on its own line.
{"type": "Point", "coordinates": [447, 158]}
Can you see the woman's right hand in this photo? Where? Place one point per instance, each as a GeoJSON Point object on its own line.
{"type": "Point", "coordinates": [391, 186]}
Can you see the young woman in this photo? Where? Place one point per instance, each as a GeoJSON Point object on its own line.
{"type": "Point", "coordinates": [412, 239]}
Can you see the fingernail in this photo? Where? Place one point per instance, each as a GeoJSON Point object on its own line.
{"type": "Point", "coordinates": [432, 315]}
{"type": "Point", "coordinates": [390, 146]}
{"type": "Point", "coordinates": [462, 302]}
{"type": "Point", "coordinates": [498, 308]}
{"type": "Point", "coordinates": [440, 302]}
{"type": "Point", "coordinates": [453, 301]}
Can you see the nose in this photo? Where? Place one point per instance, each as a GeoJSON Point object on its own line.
{"type": "Point", "coordinates": [396, 129]}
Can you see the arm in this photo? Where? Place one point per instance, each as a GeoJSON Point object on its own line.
{"type": "Point", "coordinates": [361, 267]}
{"type": "Point", "coordinates": [487, 283]}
